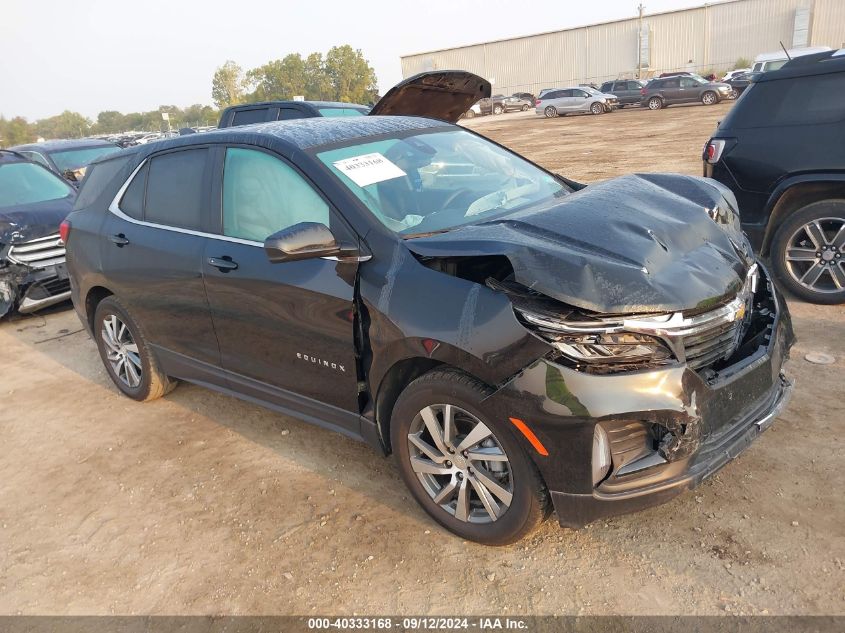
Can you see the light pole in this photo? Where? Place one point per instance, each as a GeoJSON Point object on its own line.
{"type": "Point", "coordinates": [640, 8]}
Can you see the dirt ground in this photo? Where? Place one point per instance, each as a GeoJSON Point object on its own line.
{"type": "Point", "coordinates": [199, 503]}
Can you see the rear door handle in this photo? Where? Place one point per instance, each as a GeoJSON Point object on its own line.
{"type": "Point", "coordinates": [223, 264]}
{"type": "Point", "coordinates": [119, 239]}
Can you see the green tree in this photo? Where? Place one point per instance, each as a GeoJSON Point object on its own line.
{"type": "Point", "coordinates": [317, 84]}
{"type": "Point", "coordinates": [65, 125]}
{"type": "Point", "coordinates": [351, 76]}
{"type": "Point", "coordinates": [228, 85]}
{"type": "Point", "coordinates": [109, 122]}
{"type": "Point", "coordinates": [278, 79]}
{"type": "Point", "coordinates": [15, 131]}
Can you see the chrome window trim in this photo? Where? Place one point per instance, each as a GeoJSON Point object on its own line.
{"type": "Point", "coordinates": [114, 208]}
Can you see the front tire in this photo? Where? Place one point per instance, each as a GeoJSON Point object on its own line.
{"type": "Point", "coordinates": [126, 354]}
{"type": "Point", "coordinates": [469, 114]}
{"type": "Point", "coordinates": [465, 468]}
{"type": "Point", "coordinates": [550, 112]}
{"type": "Point", "coordinates": [525, 107]}
{"type": "Point", "coordinates": [597, 108]}
{"type": "Point", "coordinates": [808, 252]}
{"type": "Point", "coordinates": [709, 98]}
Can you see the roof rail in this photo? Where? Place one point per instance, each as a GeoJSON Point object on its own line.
{"type": "Point", "coordinates": [13, 153]}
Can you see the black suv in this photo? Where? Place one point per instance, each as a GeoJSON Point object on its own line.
{"type": "Point", "coordinates": [781, 150]}
{"type": "Point", "coordinates": [512, 337]}
{"type": "Point", "coordinates": [33, 203]}
{"type": "Point", "coordinates": [248, 113]}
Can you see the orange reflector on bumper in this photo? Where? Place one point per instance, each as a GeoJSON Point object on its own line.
{"type": "Point", "coordinates": [529, 435]}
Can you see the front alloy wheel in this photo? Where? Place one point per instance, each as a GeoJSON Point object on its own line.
{"type": "Point", "coordinates": [467, 468]}
{"type": "Point", "coordinates": [709, 98]}
{"type": "Point", "coordinates": [460, 463]}
{"type": "Point", "coordinates": [597, 108]}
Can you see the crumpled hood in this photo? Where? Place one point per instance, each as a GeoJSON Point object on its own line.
{"type": "Point", "coordinates": [30, 221]}
{"type": "Point", "coordinates": [639, 243]}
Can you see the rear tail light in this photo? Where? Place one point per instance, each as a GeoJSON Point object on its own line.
{"type": "Point", "coordinates": [643, 91]}
{"type": "Point", "coordinates": [713, 150]}
{"type": "Point", "coordinates": [537, 102]}
{"type": "Point", "coordinates": [64, 231]}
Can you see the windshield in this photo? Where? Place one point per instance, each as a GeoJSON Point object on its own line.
{"type": "Point", "coordinates": [76, 158]}
{"type": "Point", "coordinates": [591, 90]}
{"type": "Point", "coordinates": [26, 183]}
{"type": "Point", "coordinates": [434, 182]}
{"type": "Point", "coordinates": [341, 111]}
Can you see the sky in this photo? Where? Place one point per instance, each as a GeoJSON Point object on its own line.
{"type": "Point", "coordinates": [97, 55]}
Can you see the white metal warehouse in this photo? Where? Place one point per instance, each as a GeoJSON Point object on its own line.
{"type": "Point", "coordinates": [708, 38]}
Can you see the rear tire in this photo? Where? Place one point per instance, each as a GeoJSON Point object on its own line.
{"type": "Point", "coordinates": [808, 252]}
{"type": "Point", "coordinates": [655, 103]}
{"type": "Point", "coordinates": [514, 473]}
{"type": "Point", "coordinates": [497, 109]}
{"type": "Point", "coordinates": [526, 107]}
{"type": "Point", "coordinates": [550, 112]}
{"type": "Point", "coordinates": [126, 354]}
{"type": "Point", "coordinates": [469, 114]}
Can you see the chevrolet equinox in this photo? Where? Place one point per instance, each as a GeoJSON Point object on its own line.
{"type": "Point", "coordinates": [520, 342]}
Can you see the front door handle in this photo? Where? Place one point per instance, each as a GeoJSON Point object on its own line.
{"type": "Point", "coordinates": [119, 239]}
{"type": "Point", "coordinates": [224, 264]}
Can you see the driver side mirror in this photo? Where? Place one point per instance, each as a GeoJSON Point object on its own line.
{"type": "Point", "coordinates": [306, 240]}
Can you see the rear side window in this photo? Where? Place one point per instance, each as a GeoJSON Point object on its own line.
{"type": "Point", "coordinates": [175, 189]}
{"type": "Point", "coordinates": [609, 86]}
{"type": "Point", "coordinates": [132, 203]}
{"type": "Point", "coordinates": [798, 101]}
{"type": "Point", "coordinates": [671, 83]}
{"type": "Point", "coordinates": [245, 117]}
{"type": "Point", "coordinates": [97, 178]}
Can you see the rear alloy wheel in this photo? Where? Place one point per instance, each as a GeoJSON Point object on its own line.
{"type": "Point", "coordinates": [808, 252]}
{"type": "Point", "coordinates": [597, 108]}
{"type": "Point", "coordinates": [126, 354]}
{"type": "Point", "coordinates": [550, 112]}
{"type": "Point", "coordinates": [471, 475]}
{"type": "Point", "coordinates": [655, 103]}
{"type": "Point", "coordinates": [709, 98]}
{"type": "Point", "coordinates": [497, 109]}
{"type": "Point", "coordinates": [470, 114]}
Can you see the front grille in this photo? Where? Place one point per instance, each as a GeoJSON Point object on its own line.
{"type": "Point", "coordinates": [40, 253]}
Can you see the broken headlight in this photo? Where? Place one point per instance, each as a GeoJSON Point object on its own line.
{"type": "Point", "coordinates": [596, 344]}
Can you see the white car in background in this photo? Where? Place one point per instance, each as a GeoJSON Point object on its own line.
{"type": "Point", "coordinates": [733, 73]}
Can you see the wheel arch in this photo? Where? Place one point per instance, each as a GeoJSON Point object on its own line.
{"type": "Point", "coordinates": [93, 298]}
{"type": "Point", "coordinates": [395, 380]}
{"type": "Point", "coordinates": [796, 193]}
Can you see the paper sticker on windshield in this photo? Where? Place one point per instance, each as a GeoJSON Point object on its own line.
{"type": "Point", "coordinates": [368, 169]}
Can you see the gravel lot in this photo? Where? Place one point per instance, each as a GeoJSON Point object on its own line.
{"type": "Point", "coordinates": [199, 503]}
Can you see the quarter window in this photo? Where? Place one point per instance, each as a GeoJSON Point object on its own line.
{"type": "Point", "coordinates": [263, 195]}
{"type": "Point", "coordinates": [132, 203]}
{"type": "Point", "coordinates": [175, 189]}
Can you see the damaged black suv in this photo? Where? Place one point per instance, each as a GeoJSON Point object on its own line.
{"type": "Point", "coordinates": [33, 203]}
{"type": "Point", "coordinates": [518, 341]}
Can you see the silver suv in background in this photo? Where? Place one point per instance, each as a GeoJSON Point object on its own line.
{"type": "Point", "coordinates": [562, 101]}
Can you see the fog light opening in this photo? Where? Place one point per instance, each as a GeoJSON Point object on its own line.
{"type": "Point", "coordinates": [601, 455]}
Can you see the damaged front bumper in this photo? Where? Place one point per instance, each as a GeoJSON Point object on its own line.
{"type": "Point", "coordinates": [33, 276]}
{"type": "Point", "coordinates": [666, 429]}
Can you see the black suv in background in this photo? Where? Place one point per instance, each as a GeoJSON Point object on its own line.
{"type": "Point", "coordinates": [781, 150]}
{"type": "Point", "coordinates": [660, 93]}
{"type": "Point", "coordinates": [67, 158]}
{"type": "Point", "coordinates": [514, 338]}
{"type": "Point", "coordinates": [627, 91]}
{"type": "Point", "coordinates": [247, 113]}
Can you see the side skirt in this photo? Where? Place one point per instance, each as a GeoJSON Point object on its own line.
{"type": "Point", "coordinates": [183, 367]}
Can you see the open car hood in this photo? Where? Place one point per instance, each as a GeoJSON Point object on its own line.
{"type": "Point", "coordinates": [635, 244]}
{"type": "Point", "coordinates": [438, 94]}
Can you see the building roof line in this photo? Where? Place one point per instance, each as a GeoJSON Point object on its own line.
{"type": "Point", "coordinates": [569, 28]}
